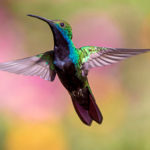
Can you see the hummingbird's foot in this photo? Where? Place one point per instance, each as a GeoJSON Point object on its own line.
{"type": "Point", "coordinates": [74, 93]}
{"type": "Point", "coordinates": [80, 92]}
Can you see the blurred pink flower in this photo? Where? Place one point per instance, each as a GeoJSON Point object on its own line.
{"type": "Point", "coordinates": [95, 29]}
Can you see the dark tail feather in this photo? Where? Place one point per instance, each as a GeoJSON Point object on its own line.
{"type": "Point", "coordinates": [82, 113]}
{"type": "Point", "coordinates": [94, 111]}
{"type": "Point", "coordinates": [86, 107]}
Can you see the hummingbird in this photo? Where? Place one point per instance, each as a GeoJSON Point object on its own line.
{"type": "Point", "coordinates": [71, 65]}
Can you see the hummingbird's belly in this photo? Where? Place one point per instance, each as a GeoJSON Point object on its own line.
{"type": "Point", "coordinates": [68, 77]}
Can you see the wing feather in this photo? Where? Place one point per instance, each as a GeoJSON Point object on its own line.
{"type": "Point", "coordinates": [99, 56]}
{"type": "Point", "coordinates": [39, 65]}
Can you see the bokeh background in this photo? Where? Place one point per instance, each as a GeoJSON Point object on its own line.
{"type": "Point", "coordinates": [38, 115]}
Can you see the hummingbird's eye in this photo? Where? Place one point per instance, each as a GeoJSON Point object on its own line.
{"type": "Point", "coordinates": [62, 24]}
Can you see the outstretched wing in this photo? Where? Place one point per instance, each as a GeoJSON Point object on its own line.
{"type": "Point", "coordinates": [39, 65]}
{"type": "Point", "coordinates": [91, 56]}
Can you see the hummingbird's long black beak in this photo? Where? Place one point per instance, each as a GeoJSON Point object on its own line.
{"type": "Point", "coordinates": [56, 33]}
{"type": "Point", "coordinates": [50, 22]}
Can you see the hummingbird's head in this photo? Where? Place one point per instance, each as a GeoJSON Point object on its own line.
{"type": "Point", "coordinates": [64, 28]}
{"type": "Point", "coordinates": [60, 28]}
